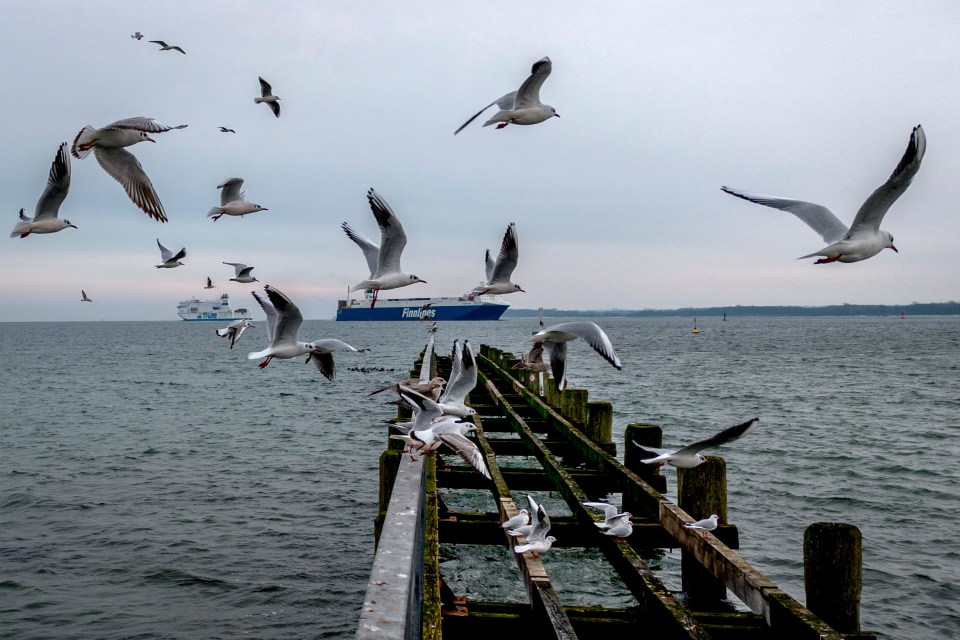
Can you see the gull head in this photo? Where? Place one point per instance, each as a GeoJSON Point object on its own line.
{"type": "Point", "coordinates": [700, 459]}
{"type": "Point", "coordinates": [414, 279]}
{"type": "Point", "coordinates": [516, 287]}
{"type": "Point", "coordinates": [144, 137]}
{"type": "Point", "coordinates": [257, 207]}
{"type": "Point", "coordinates": [553, 112]}
{"type": "Point", "coordinates": [889, 241]}
{"type": "Point", "coordinates": [67, 223]}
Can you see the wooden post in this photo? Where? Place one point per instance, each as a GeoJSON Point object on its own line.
{"type": "Point", "coordinates": [598, 425]}
{"type": "Point", "coordinates": [832, 573]}
{"type": "Point", "coordinates": [573, 406]}
{"type": "Point", "coordinates": [702, 492]}
{"type": "Point", "coordinates": [389, 462]}
{"type": "Point", "coordinates": [649, 435]}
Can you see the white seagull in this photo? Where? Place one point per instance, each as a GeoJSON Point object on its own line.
{"type": "Point", "coordinates": [520, 520]}
{"type": "Point", "coordinates": [611, 515]}
{"type": "Point", "coordinates": [107, 144]}
{"type": "Point", "coordinates": [621, 527]}
{"type": "Point", "coordinates": [170, 260]}
{"type": "Point", "coordinates": [522, 106]}
{"type": "Point", "coordinates": [689, 456]}
{"type": "Point", "coordinates": [383, 261]}
{"type": "Point", "coordinates": [137, 36]}
{"type": "Point", "coordinates": [209, 283]}
{"type": "Point", "coordinates": [499, 272]}
{"type": "Point", "coordinates": [535, 532]}
{"type": "Point", "coordinates": [532, 360]}
{"type": "Point", "coordinates": [555, 341]}
{"type": "Point", "coordinates": [167, 47]}
{"type": "Point", "coordinates": [283, 325]}
{"type": "Point", "coordinates": [864, 238]}
{"type": "Point", "coordinates": [232, 202]}
{"type": "Point", "coordinates": [463, 378]}
{"type": "Point", "coordinates": [83, 296]}
{"type": "Point", "coordinates": [45, 218]}
{"type": "Point", "coordinates": [707, 524]}
{"type": "Point", "coordinates": [234, 330]}
{"type": "Point", "coordinates": [266, 95]}
{"type": "Point", "coordinates": [242, 273]}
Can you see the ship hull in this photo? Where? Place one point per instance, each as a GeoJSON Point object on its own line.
{"type": "Point", "coordinates": [416, 312]}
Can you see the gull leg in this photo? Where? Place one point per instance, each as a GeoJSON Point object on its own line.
{"type": "Point", "coordinates": [265, 362]}
{"type": "Point", "coordinates": [24, 235]}
{"type": "Point", "coordinates": [827, 260]}
{"type": "Point", "coordinates": [376, 292]}
{"type": "Point", "coordinates": [502, 125]}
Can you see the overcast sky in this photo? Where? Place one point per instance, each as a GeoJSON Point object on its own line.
{"type": "Point", "coordinates": [617, 202]}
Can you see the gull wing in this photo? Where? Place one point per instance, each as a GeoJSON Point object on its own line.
{"type": "Point", "coordinates": [817, 217]}
{"type": "Point", "coordinates": [265, 88]}
{"type": "Point", "coordinates": [179, 255]}
{"type": "Point", "coordinates": [592, 334]}
{"type": "Point", "coordinates": [507, 260]}
{"type": "Point", "coordinates": [557, 352]}
{"type": "Point", "coordinates": [529, 93]}
{"type": "Point", "coordinates": [427, 409]}
{"type": "Point", "coordinates": [124, 167]}
{"type": "Point", "coordinates": [427, 365]}
{"type": "Point", "coordinates": [271, 314]}
{"type": "Point", "coordinates": [209, 283]}
{"type": "Point", "coordinates": [489, 266]}
{"type": "Point", "coordinates": [725, 436]}
{"type": "Point", "coordinates": [608, 510]}
{"type": "Point", "coordinates": [324, 364]}
{"type": "Point", "coordinates": [159, 42]}
{"type": "Point", "coordinates": [392, 237]}
{"type": "Point", "coordinates": [58, 183]}
{"type": "Point", "coordinates": [656, 450]}
{"type": "Point", "coordinates": [465, 448]}
{"type": "Point", "coordinates": [165, 254]}
{"type": "Point", "coordinates": [455, 367]}
{"type": "Point", "coordinates": [289, 317]}
{"type": "Point", "coordinates": [370, 251]}
{"type": "Point", "coordinates": [230, 191]}
{"type": "Point", "coordinates": [505, 102]}
{"type": "Point", "coordinates": [466, 380]}
{"type": "Point", "coordinates": [239, 267]}
{"type": "Point", "coordinates": [140, 123]}
{"type": "Point", "coordinates": [872, 211]}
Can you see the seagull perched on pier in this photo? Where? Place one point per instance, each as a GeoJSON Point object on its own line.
{"type": "Point", "coordinates": [463, 379]}
{"type": "Point", "coordinates": [500, 270]}
{"type": "Point", "coordinates": [167, 47]}
{"type": "Point", "coordinates": [535, 532]}
{"type": "Point", "coordinates": [283, 325]}
{"type": "Point", "coordinates": [242, 273]}
{"type": "Point", "coordinates": [522, 106]}
{"type": "Point", "coordinates": [707, 524]}
{"type": "Point", "coordinates": [45, 218]}
{"type": "Point", "coordinates": [532, 360]}
{"type": "Point", "coordinates": [864, 238]}
{"type": "Point", "coordinates": [522, 519]}
{"type": "Point", "coordinates": [170, 260]}
{"type": "Point", "coordinates": [234, 330]}
{"type": "Point", "coordinates": [614, 523]}
{"type": "Point", "coordinates": [383, 261]}
{"type": "Point", "coordinates": [232, 201]}
{"type": "Point", "coordinates": [107, 145]}
{"type": "Point", "coordinates": [266, 95]}
{"type": "Point", "coordinates": [555, 339]}
{"type": "Point", "coordinates": [689, 456]}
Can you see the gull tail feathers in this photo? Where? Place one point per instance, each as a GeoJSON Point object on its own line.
{"type": "Point", "coordinates": [19, 229]}
{"type": "Point", "coordinates": [84, 138]}
{"type": "Point", "coordinates": [215, 211]}
{"type": "Point", "coordinates": [253, 355]}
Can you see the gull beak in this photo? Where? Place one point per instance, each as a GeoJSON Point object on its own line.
{"type": "Point", "coordinates": [519, 289]}
{"type": "Point", "coordinates": [149, 139]}
{"type": "Point", "coordinates": [894, 248]}
{"type": "Point", "coordinates": [556, 115]}
{"type": "Point", "coordinates": [72, 225]}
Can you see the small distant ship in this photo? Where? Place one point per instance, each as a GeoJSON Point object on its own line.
{"type": "Point", "coordinates": [195, 310]}
{"type": "Point", "coordinates": [469, 306]}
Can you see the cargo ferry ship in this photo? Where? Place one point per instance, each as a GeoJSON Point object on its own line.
{"type": "Point", "coordinates": [469, 306]}
{"type": "Point", "coordinates": [195, 309]}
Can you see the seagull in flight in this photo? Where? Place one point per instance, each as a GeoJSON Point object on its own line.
{"type": "Point", "coordinates": [522, 106]}
{"type": "Point", "coordinates": [209, 283]}
{"type": "Point", "coordinates": [283, 325]}
{"type": "Point", "coordinates": [83, 296]}
{"type": "Point", "coordinates": [169, 259]}
{"type": "Point", "coordinates": [463, 378]}
{"type": "Point", "coordinates": [243, 273]}
{"type": "Point", "coordinates": [555, 339]}
{"type": "Point", "coordinates": [107, 145]}
{"type": "Point", "coordinates": [535, 532]}
{"type": "Point", "coordinates": [137, 36]}
{"type": "Point", "coordinates": [232, 202]}
{"type": "Point", "coordinates": [266, 95]}
{"type": "Point", "coordinates": [499, 271]}
{"type": "Point", "coordinates": [234, 330]}
{"type": "Point", "coordinates": [690, 456]}
{"type": "Point", "coordinates": [226, 130]}
{"type": "Point", "coordinates": [383, 261]}
{"type": "Point", "coordinates": [45, 218]}
{"type": "Point", "coordinates": [864, 238]}
{"type": "Point", "coordinates": [167, 47]}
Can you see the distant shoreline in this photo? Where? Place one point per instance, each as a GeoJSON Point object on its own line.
{"type": "Point", "coordinates": [916, 308]}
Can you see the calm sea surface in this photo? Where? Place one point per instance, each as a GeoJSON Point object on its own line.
{"type": "Point", "coordinates": [156, 484]}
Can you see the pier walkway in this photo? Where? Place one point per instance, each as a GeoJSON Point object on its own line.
{"type": "Point", "coordinates": [570, 438]}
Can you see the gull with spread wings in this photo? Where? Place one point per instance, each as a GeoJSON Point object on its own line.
{"type": "Point", "coordinates": [522, 106]}
{"type": "Point", "coordinates": [45, 218]}
{"type": "Point", "coordinates": [690, 456]}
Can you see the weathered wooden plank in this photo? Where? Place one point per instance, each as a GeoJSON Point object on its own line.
{"type": "Point", "coordinates": [462, 477]}
{"type": "Point", "coordinates": [430, 610]}
{"type": "Point", "coordinates": [391, 606]}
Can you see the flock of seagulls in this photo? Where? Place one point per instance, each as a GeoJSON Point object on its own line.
{"type": "Point", "coordinates": [441, 409]}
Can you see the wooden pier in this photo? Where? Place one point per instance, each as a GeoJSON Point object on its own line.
{"type": "Point", "coordinates": [570, 438]}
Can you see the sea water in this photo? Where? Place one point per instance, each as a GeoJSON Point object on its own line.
{"type": "Point", "coordinates": [156, 484]}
